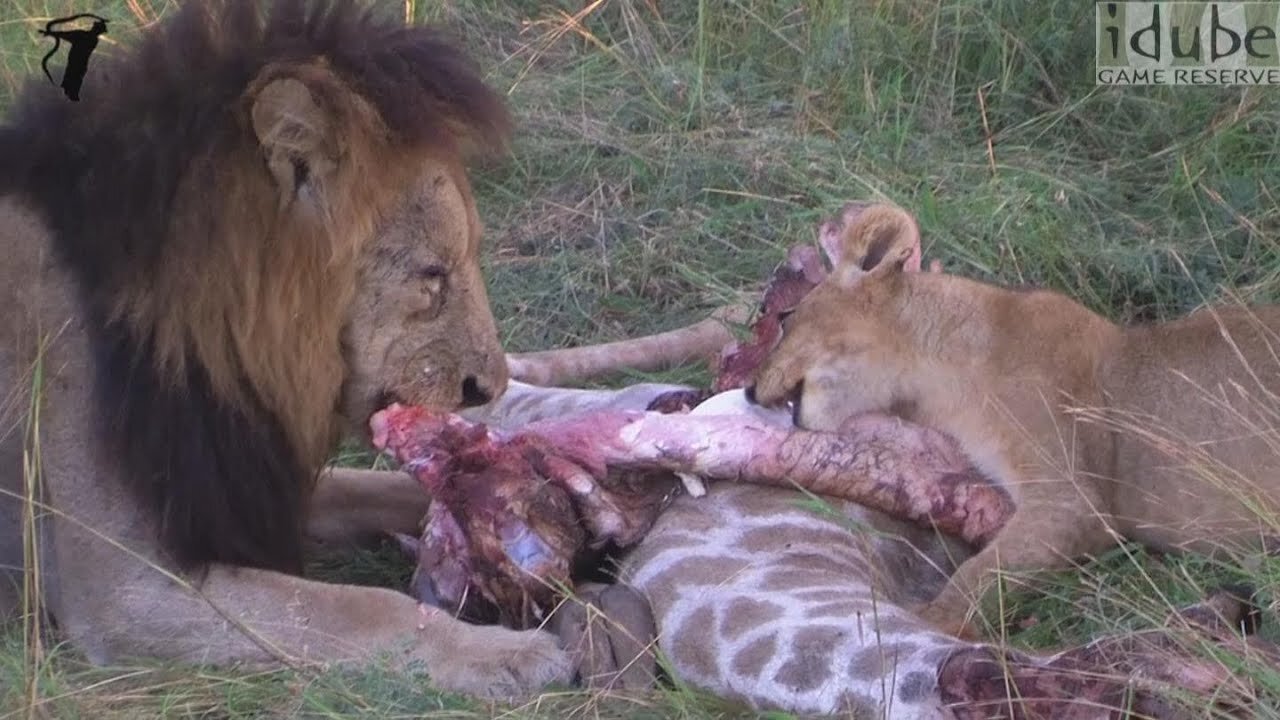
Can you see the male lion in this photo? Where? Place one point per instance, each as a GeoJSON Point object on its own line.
{"type": "Point", "coordinates": [253, 228]}
{"type": "Point", "coordinates": [1162, 433]}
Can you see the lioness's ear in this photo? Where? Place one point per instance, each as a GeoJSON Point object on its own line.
{"type": "Point", "coordinates": [296, 135]}
{"type": "Point", "coordinates": [881, 239]}
{"type": "Point", "coordinates": [832, 232]}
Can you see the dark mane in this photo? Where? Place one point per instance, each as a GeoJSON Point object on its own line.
{"type": "Point", "coordinates": [224, 480]}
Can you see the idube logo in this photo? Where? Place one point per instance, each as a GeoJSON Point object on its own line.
{"type": "Point", "coordinates": [1187, 43]}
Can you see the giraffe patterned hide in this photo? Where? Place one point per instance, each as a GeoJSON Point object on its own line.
{"type": "Point", "coordinates": [788, 603]}
{"type": "Point", "coordinates": [762, 595]}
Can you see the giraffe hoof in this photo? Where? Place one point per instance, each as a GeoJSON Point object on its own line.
{"type": "Point", "coordinates": [611, 631]}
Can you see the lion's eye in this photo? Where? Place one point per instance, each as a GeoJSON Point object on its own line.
{"type": "Point", "coordinates": [428, 288]}
{"type": "Point", "coordinates": [431, 276]}
{"type": "Point", "coordinates": [430, 272]}
{"type": "Point", "coordinates": [784, 316]}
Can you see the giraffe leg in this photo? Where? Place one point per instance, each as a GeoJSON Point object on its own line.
{"type": "Point", "coordinates": [1132, 671]}
{"type": "Point", "coordinates": [611, 630]}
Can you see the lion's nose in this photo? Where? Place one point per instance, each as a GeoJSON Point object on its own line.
{"type": "Point", "coordinates": [750, 394]}
{"type": "Point", "coordinates": [473, 393]}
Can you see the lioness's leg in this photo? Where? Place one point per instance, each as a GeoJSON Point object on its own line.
{"type": "Point", "coordinates": [1035, 538]}
{"type": "Point", "coordinates": [352, 506]}
{"type": "Point", "coordinates": [611, 627]}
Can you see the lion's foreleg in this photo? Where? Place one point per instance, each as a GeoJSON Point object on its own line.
{"type": "Point", "coordinates": [267, 619]}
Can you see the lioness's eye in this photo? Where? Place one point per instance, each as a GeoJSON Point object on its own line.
{"type": "Point", "coordinates": [783, 316]}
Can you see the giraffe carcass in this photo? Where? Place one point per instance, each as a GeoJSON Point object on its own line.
{"type": "Point", "coordinates": [813, 611]}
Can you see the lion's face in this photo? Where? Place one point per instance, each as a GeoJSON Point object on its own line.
{"type": "Point", "coordinates": [420, 329]}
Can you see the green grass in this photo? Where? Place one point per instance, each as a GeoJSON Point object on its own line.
{"type": "Point", "coordinates": [669, 153]}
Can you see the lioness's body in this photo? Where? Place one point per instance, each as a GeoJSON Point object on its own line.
{"type": "Point", "coordinates": [211, 265]}
{"type": "Point", "coordinates": [1209, 389]}
{"type": "Point", "coordinates": [1005, 372]}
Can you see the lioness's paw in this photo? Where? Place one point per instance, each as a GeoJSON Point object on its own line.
{"type": "Point", "coordinates": [500, 664]}
{"type": "Point", "coordinates": [948, 619]}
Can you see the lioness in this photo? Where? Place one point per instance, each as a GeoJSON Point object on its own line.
{"type": "Point", "coordinates": [1161, 433]}
{"type": "Point", "coordinates": [250, 231]}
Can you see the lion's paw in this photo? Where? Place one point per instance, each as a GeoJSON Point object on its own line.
{"type": "Point", "coordinates": [495, 663]}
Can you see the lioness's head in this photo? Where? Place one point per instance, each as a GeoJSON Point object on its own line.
{"type": "Point", "coordinates": [847, 323]}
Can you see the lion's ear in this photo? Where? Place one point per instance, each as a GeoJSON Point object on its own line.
{"type": "Point", "coordinates": [296, 135]}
